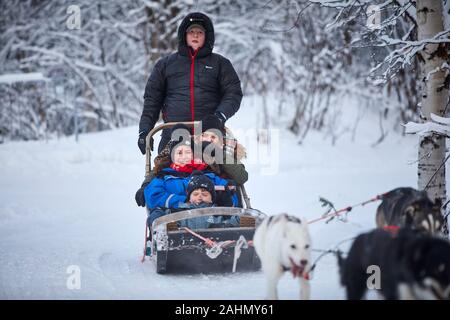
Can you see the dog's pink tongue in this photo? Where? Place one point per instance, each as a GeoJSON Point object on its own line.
{"type": "Point", "coordinates": [296, 271]}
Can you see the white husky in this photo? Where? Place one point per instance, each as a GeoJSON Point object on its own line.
{"type": "Point", "coordinates": [283, 243]}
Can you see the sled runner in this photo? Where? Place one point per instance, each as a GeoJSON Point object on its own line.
{"type": "Point", "coordinates": [219, 248]}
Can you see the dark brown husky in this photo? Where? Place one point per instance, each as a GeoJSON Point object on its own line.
{"type": "Point", "coordinates": [410, 208]}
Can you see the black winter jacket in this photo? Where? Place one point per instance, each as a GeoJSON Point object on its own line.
{"type": "Point", "coordinates": [216, 86]}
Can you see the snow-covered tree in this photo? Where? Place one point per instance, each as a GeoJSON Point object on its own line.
{"type": "Point", "coordinates": [97, 70]}
{"type": "Point", "coordinates": [411, 34]}
{"type": "Point", "coordinates": [311, 52]}
{"type": "Point", "coordinates": [435, 95]}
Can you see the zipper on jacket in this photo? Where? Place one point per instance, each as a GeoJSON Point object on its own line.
{"type": "Point", "coordinates": [191, 82]}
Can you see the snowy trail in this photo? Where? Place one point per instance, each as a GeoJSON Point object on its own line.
{"type": "Point", "coordinates": [64, 204]}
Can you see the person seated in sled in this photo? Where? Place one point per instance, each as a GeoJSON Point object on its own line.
{"type": "Point", "coordinates": [212, 139]}
{"type": "Point", "coordinates": [200, 193]}
{"type": "Point", "coordinates": [223, 154]}
{"type": "Point", "coordinates": [168, 189]}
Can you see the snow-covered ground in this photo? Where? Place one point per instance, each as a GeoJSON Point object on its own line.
{"type": "Point", "coordinates": [65, 204]}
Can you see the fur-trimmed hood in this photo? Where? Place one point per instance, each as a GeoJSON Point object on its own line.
{"type": "Point", "coordinates": [241, 152]}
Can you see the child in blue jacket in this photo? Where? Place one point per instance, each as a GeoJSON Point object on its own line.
{"type": "Point", "coordinates": [169, 189]}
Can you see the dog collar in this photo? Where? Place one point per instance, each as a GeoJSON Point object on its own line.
{"type": "Point", "coordinates": [393, 230]}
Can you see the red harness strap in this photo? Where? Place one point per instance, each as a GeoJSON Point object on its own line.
{"type": "Point", "coordinates": [393, 230]}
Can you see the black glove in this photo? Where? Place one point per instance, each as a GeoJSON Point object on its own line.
{"type": "Point", "coordinates": [139, 197]}
{"type": "Point", "coordinates": [141, 141]}
{"type": "Point", "coordinates": [223, 199]}
{"type": "Point", "coordinates": [222, 118]}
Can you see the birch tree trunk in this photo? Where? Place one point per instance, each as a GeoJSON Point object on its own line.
{"type": "Point", "coordinates": [434, 100]}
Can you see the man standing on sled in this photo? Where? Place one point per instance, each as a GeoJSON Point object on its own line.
{"type": "Point", "coordinates": [190, 84]}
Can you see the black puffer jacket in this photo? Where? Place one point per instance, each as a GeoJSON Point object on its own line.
{"type": "Point", "coordinates": [216, 86]}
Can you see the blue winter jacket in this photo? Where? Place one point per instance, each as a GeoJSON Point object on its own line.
{"type": "Point", "coordinates": [169, 190]}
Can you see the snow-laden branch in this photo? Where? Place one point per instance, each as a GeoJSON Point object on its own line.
{"type": "Point", "coordinates": [343, 3]}
{"type": "Point", "coordinates": [72, 65]}
{"type": "Point", "coordinates": [404, 55]}
{"type": "Point", "coordinates": [410, 11]}
{"type": "Point", "coordinates": [22, 77]}
{"type": "Point", "coordinates": [127, 83]}
{"type": "Point", "coordinates": [77, 39]}
{"type": "Point", "coordinates": [438, 125]}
